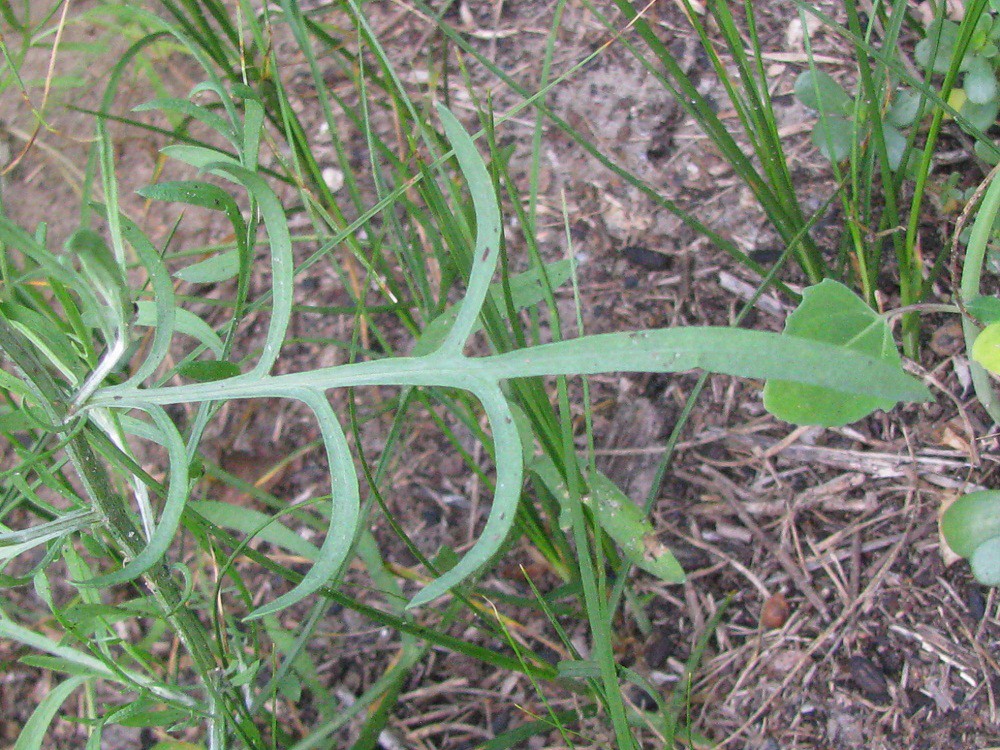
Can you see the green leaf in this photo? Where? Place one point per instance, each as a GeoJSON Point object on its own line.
{"type": "Point", "coordinates": [834, 137]}
{"type": "Point", "coordinates": [173, 508]}
{"type": "Point", "coordinates": [624, 522]}
{"type": "Point", "coordinates": [186, 322]}
{"type": "Point", "coordinates": [980, 81]}
{"type": "Point", "coordinates": [32, 734]}
{"type": "Point", "coordinates": [345, 511]}
{"type": "Point", "coordinates": [282, 260]}
{"type": "Point", "coordinates": [936, 49]}
{"type": "Point", "coordinates": [985, 562]}
{"type": "Point", "coordinates": [262, 526]}
{"type": "Point", "coordinates": [163, 312]}
{"type": "Point", "coordinates": [487, 249]}
{"type": "Point", "coordinates": [155, 718]}
{"type": "Point", "coordinates": [985, 308]}
{"type": "Point", "coordinates": [47, 337]}
{"type": "Point", "coordinates": [509, 472]}
{"type": "Point", "coordinates": [895, 146]}
{"type": "Point", "coordinates": [986, 348]}
{"type": "Point", "coordinates": [987, 152]}
{"type": "Point", "coordinates": [904, 109]}
{"type": "Point", "coordinates": [832, 313]}
{"type": "Point", "coordinates": [526, 289]}
{"type": "Point", "coordinates": [190, 109]}
{"type": "Point", "coordinates": [818, 90]}
{"type": "Point", "coordinates": [102, 270]}
{"type": "Point", "coordinates": [197, 156]}
{"type": "Point", "coordinates": [982, 116]}
{"type": "Point", "coordinates": [971, 521]}
{"type": "Point", "coordinates": [620, 518]}
{"type": "Point", "coordinates": [212, 270]}
{"type": "Point", "coordinates": [208, 370]}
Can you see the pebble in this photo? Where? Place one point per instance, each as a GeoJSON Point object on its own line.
{"type": "Point", "coordinates": [774, 614]}
{"type": "Point", "coordinates": [641, 256]}
{"type": "Point", "coordinates": [869, 679]}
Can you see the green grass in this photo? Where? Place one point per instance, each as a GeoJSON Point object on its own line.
{"type": "Point", "coordinates": [97, 334]}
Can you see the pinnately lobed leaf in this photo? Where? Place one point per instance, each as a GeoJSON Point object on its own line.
{"type": "Point", "coordinates": [869, 376]}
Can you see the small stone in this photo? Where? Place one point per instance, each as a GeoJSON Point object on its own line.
{"type": "Point", "coordinates": [949, 339]}
{"type": "Point", "coordinates": [976, 603]}
{"type": "Point", "coordinates": [774, 614]}
{"type": "Point", "coordinates": [660, 648]}
{"type": "Point", "coordinates": [869, 679]}
{"type": "Point", "coordinates": [333, 178]}
{"type": "Point", "coordinates": [641, 256]}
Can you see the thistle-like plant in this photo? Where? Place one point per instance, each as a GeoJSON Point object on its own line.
{"type": "Point", "coordinates": [77, 381]}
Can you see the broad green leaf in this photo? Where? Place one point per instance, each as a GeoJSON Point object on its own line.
{"type": "Point", "coordinates": [971, 521]}
{"type": "Point", "coordinates": [220, 267]}
{"type": "Point", "coordinates": [982, 116]}
{"type": "Point", "coordinates": [819, 91]}
{"type": "Point", "coordinates": [936, 49]}
{"type": "Point", "coordinates": [834, 137]}
{"type": "Point", "coordinates": [730, 351]}
{"type": "Point", "coordinates": [904, 108]}
{"type": "Point", "coordinates": [207, 370]}
{"type": "Point", "coordinates": [986, 348]}
{"type": "Point", "coordinates": [895, 146]}
{"type": "Point", "coordinates": [832, 313]}
{"type": "Point", "coordinates": [985, 562]}
{"type": "Point", "coordinates": [986, 308]}
{"type": "Point", "coordinates": [981, 33]}
{"type": "Point", "coordinates": [980, 81]}
{"type": "Point", "coordinates": [176, 745]}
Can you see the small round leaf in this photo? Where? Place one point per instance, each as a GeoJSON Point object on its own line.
{"type": "Point", "coordinates": [985, 562]}
{"type": "Point", "coordinates": [834, 136]}
{"type": "Point", "coordinates": [819, 91]}
{"type": "Point", "coordinates": [971, 521]}
{"type": "Point", "coordinates": [904, 108]}
{"type": "Point", "coordinates": [980, 81]}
